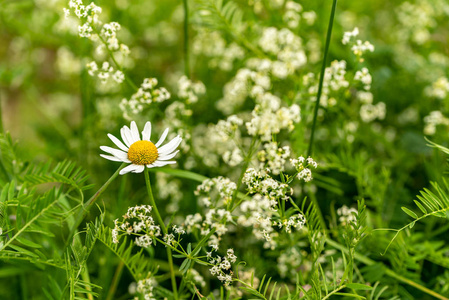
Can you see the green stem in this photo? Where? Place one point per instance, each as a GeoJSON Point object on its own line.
{"type": "Point", "coordinates": [367, 261]}
{"type": "Point", "coordinates": [323, 68]}
{"type": "Point", "coordinates": [1, 116]}
{"type": "Point", "coordinates": [164, 230]}
{"type": "Point", "coordinates": [85, 208]}
{"type": "Point", "coordinates": [186, 39]}
{"type": "Point", "coordinates": [115, 281]}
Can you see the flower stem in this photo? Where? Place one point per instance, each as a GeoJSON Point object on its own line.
{"type": "Point", "coordinates": [323, 68]}
{"type": "Point", "coordinates": [164, 230]}
{"type": "Point", "coordinates": [186, 39]}
{"type": "Point", "coordinates": [85, 207]}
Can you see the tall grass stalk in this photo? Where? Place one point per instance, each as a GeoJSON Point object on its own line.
{"type": "Point", "coordinates": [320, 84]}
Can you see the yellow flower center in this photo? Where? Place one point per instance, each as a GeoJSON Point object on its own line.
{"type": "Point", "coordinates": [142, 153]}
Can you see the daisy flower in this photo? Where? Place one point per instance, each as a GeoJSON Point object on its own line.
{"type": "Point", "coordinates": [141, 152]}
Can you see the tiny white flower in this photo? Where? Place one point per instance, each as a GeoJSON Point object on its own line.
{"type": "Point", "coordinates": [141, 152]}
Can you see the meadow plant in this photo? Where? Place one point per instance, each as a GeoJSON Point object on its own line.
{"type": "Point", "coordinates": [291, 150]}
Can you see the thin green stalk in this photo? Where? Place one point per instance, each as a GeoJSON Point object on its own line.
{"type": "Point", "coordinates": [1, 116]}
{"type": "Point", "coordinates": [367, 261]}
{"type": "Point", "coordinates": [164, 230]}
{"type": "Point", "coordinates": [323, 68]}
{"type": "Point", "coordinates": [115, 280]}
{"type": "Point", "coordinates": [186, 39]}
{"type": "Point", "coordinates": [85, 208]}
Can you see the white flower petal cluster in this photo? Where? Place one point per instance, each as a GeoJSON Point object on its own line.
{"type": "Point", "coordinates": [346, 215]}
{"type": "Point", "coordinates": [268, 118]}
{"type": "Point", "coordinates": [364, 77]}
{"type": "Point", "coordinates": [145, 95]}
{"type": "Point", "coordinates": [189, 90]}
{"type": "Point", "coordinates": [434, 119]}
{"type": "Point", "coordinates": [222, 266]}
{"type": "Point", "coordinates": [334, 80]}
{"type": "Point", "coordinates": [370, 112]}
{"type": "Point", "coordinates": [439, 89]}
{"type": "Point", "coordinates": [261, 183]}
{"type": "Point", "coordinates": [137, 222]}
{"type": "Point", "coordinates": [145, 288]}
{"type": "Point", "coordinates": [273, 157]}
{"type": "Point", "coordinates": [288, 49]}
{"type": "Point", "coordinates": [105, 73]}
{"type": "Point", "coordinates": [224, 186]}
{"type": "Point", "coordinates": [303, 166]}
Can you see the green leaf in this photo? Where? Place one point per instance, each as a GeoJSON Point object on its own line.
{"type": "Point", "coordinates": [409, 212]}
{"type": "Point", "coordinates": [358, 286]}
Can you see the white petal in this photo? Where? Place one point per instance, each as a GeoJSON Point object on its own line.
{"type": "Point", "coordinates": [139, 169]}
{"type": "Point", "coordinates": [159, 163]}
{"type": "Point", "coordinates": [150, 166]}
{"type": "Point", "coordinates": [134, 132]}
{"type": "Point", "coordinates": [117, 142]}
{"type": "Point", "coordinates": [168, 156]}
{"type": "Point", "coordinates": [162, 139]}
{"type": "Point", "coordinates": [169, 147]}
{"type": "Point", "coordinates": [128, 169]}
{"type": "Point", "coordinates": [146, 133]}
{"type": "Point", "coordinates": [125, 136]}
{"type": "Point", "coordinates": [117, 153]}
{"type": "Point", "coordinates": [113, 158]}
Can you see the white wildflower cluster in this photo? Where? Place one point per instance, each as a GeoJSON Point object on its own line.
{"type": "Point", "coordinates": [269, 118]}
{"type": "Point", "coordinates": [333, 81]}
{"type": "Point", "coordinates": [273, 157]}
{"type": "Point", "coordinates": [88, 14]}
{"type": "Point", "coordinates": [139, 223]}
{"type": "Point", "coordinates": [303, 166]}
{"type": "Point", "coordinates": [347, 215]}
{"type": "Point", "coordinates": [107, 34]}
{"type": "Point", "coordinates": [213, 45]}
{"type": "Point", "coordinates": [258, 212]}
{"type": "Point", "coordinates": [219, 140]}
{"type": "Point", "coordinates": [434, 119]}
{"type": "Point", "coordinates": [145, 288]}
{"type": "Point", "coordinates": [419, 18]}
{"type": "Point", "coordinates": [289, 262]}
{"type": "Point", "coordinates": [170, 238]}
{"type": "Point", "coordinates": [238, 89]}
{"type": "Point", "coordinates": [296, 221]}
{"type": "Point", "coordinates": [105, 73]}
{"type": "Point", "coordinates": [369, 112]}
{"type": "Point", "coordinates": [288, 49]}
{"type": "Point", "coordinates": [292, 15]}
{"type": "Point", "coordinates": [364, 77]}
{"type": "Point", "coordinates": [357, 46]}
{"type": "Point", "coordinates": [214, 219]}
{"type": "Point", "coordinates": [262, 183]}
{"type": "Point", "coordinates": [145, 95]}
{"type": "Point", "coordinates": [222, 266]}
{"type": "Point", "coordinates": [228, 129]}
{"type": "Point", "coordinates": [439, 89]}
{"type": "Point", "coordinates": [189, 90]}
{"type": "Point", "coordinates": [224, 186]}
